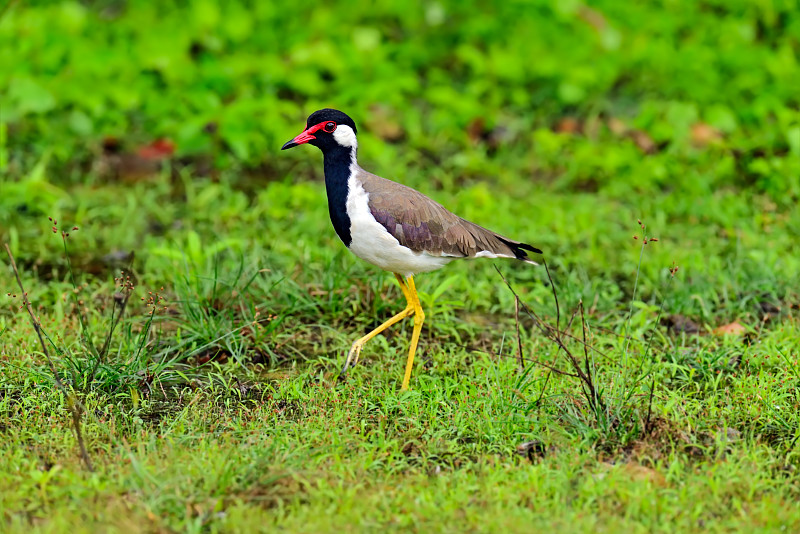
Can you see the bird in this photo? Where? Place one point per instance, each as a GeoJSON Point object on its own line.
{"type": "Point", "coordinates": [391, 225]}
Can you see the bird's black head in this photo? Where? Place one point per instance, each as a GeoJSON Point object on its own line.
{"type": "Point", "coordinates": [327, 129]}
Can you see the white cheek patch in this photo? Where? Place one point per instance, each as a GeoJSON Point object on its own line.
{"type": "Point", "coordinates": [345, 136]}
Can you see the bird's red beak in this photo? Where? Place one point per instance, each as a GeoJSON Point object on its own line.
{"type": "Point", "coordinates": [305, 137]}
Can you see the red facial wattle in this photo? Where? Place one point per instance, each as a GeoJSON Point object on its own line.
{"type": "Point", "coordinates": [308, 134]}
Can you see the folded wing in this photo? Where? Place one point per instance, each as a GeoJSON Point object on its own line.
{"type": "Point", "coordinates": [425, 226]}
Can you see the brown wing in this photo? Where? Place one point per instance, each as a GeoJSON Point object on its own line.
{"type": "Point", "coordinates": [422, 224]}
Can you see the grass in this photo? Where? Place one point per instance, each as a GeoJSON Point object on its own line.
{"type": "Point", "coordinates": [209, 401]}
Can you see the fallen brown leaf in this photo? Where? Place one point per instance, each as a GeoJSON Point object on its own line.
{"type": "Point", "coordinates": [157, 150]}
{"type": "Point", "coordinates": [147, 161]}
{"type": "Point", "coordinates": [643, 141]}
{"type": "Point", "coordinates": [617, 126]}
{"type": "Point", "coordinates": [703, 134]}
{"type": "Point", "coordinates": [734, 328]}
{"type": "Point", "coordinates": [475, 129]}
{"type": "Point", "coordinates": [569, 125]}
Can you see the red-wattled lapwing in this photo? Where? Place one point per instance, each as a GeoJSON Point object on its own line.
{"type": "Point", "coordinates": [391, 225]}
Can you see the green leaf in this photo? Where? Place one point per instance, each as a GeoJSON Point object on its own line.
{"type": "Point", "coordinates": [28, 96]}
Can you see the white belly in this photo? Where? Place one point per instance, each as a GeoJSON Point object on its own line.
{"type": "Point", "coordinates": [371, 242]}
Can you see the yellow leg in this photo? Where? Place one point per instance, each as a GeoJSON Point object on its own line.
{"type": "Point", "coordinates": [403, 287]}
{"type": "Point", "coordinates": [419, 318]}
{"type": "Point", "coordinates": [355, 349]}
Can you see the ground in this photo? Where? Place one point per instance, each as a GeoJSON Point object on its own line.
{"type": "Point", "coordinates": [199, 308]}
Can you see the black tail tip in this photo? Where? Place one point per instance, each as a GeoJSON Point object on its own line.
{"type": "Point", "coordinates": [530, 248]}
{"type": "Point", "coordinates": [519, 248]}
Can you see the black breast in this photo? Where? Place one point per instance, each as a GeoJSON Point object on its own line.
{"type": "Point", "coordinates": [337, 173]}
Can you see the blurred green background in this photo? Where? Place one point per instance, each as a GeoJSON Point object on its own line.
{"type": "Point", "coordinates": [157, 125]}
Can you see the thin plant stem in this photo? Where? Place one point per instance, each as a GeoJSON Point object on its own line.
{"type": "Point", "coordinates": [81, 318]}
{"type": "Point", "coordinates": [630, 315]}
{"type": "Point", "coordinates": [76, 407]}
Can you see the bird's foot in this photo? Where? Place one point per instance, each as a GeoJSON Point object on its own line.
{"type": "Point", "coordinates": [352, 357]}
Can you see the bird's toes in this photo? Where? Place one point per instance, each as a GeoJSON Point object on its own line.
{"type": "Point", "coordinates": [355, 352]}
{"type": "Point", "coordinates": [352, 359]}
{"type": "Point", "coordinates": [355, 357]}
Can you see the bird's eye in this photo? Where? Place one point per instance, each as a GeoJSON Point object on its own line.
{"type": "Point", "coordinates": [329, 127]}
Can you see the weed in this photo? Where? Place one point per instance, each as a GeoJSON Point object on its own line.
{"type": "Point", "coordinates": [616, 408]}
{"type": "Point", "coordinates": [77, 374]}
{"type": "Point", "coordinates": [74, 404]}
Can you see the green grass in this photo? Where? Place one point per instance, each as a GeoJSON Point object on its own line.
{"type": "Point", "coordinates": [557, 123]}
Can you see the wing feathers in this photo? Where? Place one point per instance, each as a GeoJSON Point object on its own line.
{"type": "Point", "coordinates": [423, 225]}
